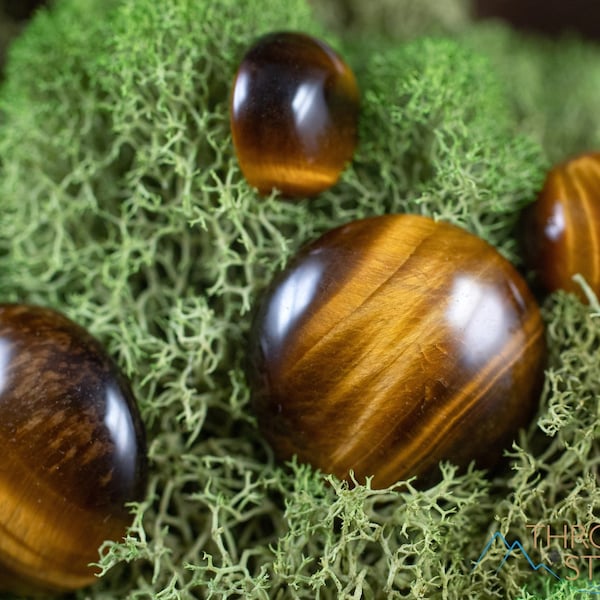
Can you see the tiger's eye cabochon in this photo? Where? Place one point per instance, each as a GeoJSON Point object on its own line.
{"type": "Point", "coordinates": [73, 451]}
{"type": "Point", "coordinates": [392, 343]}
{"type": "Point", "coordinates": [294, 114]}
{"type": "Point", "coordinates": [561, 229]}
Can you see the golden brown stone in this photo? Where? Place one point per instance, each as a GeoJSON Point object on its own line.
{"type": "Point", "coordinates": [561, 229]}
{"type": "Point", "coordinates": [73, 451]}
{"type": "Point", "coordinates": [392, 343]}
{"type": "Point", "coordinates": [294, 112]}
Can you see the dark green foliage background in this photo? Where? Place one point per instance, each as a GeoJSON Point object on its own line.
{"type": "Point", "coordinates": [123, 206]}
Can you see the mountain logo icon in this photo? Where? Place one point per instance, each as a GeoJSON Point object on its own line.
{"type": "Point", "coordinates": [591, 590]}
{"type": "Point", "coordinates": [510, 549]}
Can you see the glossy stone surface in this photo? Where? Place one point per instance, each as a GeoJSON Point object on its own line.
{"type": "Point", "coordinates": [294, 111]}
{"type": "Point", "coordinates": [73, 451]}
{"type": "Point", "coordinates": [392, 343]}
{"type": "Point", "coordinates": [561, 229]}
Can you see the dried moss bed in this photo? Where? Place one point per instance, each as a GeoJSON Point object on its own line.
{"type": "Point", "coordinates": [123, 206]}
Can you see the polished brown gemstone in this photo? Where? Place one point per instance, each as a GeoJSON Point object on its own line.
{"type": "Point", "coordinates": [294, 112]}
{"type": "Point", "coordinates": [392, 343]}
{"type": "Point", "coordinates": [73, 451]}
{"type": "Point", "coordinates": [561, 229]}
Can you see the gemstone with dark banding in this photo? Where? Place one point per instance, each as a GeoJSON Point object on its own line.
{"type": "Point", "coordinates": [73, 451]}
{"type": "Point", "coordinates": [561, 229]}
{"type": "Point", "coordinates": [294, 114]}
{"type": "Point", "coordinates": [392, 343]}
